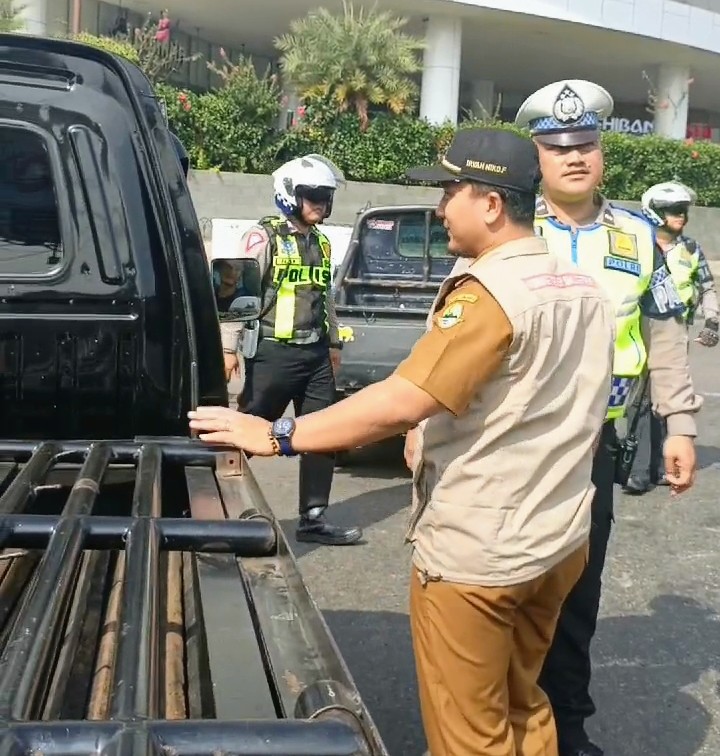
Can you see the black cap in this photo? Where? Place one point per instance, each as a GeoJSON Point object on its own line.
{"type": "Point", "coordinates": [489, 156]}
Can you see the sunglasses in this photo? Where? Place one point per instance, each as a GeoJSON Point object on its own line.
{"type": "Point", "coordinates": [317, 195]}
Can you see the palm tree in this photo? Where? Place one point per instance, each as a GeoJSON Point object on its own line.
{"type": "Point", "coordinates": [357, 59]}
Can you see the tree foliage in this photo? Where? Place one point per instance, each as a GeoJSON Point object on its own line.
{"type": "Point", "coordinates": [10, 18]}
{"type": "Point", "coordinates": [358, 59]}
{"type": "Point", "coordinates": [119, 47]}
{"type": "Point", "coordinates": [233, 126]}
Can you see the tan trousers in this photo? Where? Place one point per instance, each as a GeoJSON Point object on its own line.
{"type": "Point", "coordinates": [478, 654]}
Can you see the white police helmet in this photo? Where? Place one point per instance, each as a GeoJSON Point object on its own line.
{"type": "Point", "coordinates": [664, 195]}
{"type": "Point", "coordinates": [310, 177]}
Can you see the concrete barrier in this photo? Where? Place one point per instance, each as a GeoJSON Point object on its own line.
{"type": "Point", "coordinates": [241, 196]}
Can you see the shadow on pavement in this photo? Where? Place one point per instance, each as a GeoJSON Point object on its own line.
{"type": "Point", "coordinates": [379, 461]}
{"type": "Point", "coordinates": [378, 649]}
{"type": "Point", "coordinates": [642, 666]}
{"type": "Point", "coordinates": [364, 510]}
{"type": "Point", "coordinates": [707, 456]}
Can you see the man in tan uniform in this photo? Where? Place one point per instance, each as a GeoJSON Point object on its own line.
{"type": "Point", "coordinates": [513, 375]}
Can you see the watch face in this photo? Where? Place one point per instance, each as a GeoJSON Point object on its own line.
{"type": "Point", "coordinates": [284, 426]}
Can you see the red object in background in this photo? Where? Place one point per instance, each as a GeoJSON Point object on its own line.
{"type": "Point", "coordinates": [699, 131]}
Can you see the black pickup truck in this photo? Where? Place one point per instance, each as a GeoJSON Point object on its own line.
{"type": "Point", "coordinates": [396, 259]}
{"type": "Point", "coordinates": [149, 602]}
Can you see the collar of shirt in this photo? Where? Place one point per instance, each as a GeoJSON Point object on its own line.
{"type": "Point", "coordinates": [605, 216]}
{"type": "Point", "coordinates": [292, 226]}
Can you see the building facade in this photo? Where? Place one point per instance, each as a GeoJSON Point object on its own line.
{"type": "Point", "coordinates": [658, 58]}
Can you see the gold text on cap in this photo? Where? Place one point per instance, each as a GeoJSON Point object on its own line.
{"type": "Point", "coordinates": [487, 167]}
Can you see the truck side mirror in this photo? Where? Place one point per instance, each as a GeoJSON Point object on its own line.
{"type": "Point", "coordinates": [236, 283]}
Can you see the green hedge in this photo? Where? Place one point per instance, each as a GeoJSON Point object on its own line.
{"type": "Point", "coordinates": [217, 138]}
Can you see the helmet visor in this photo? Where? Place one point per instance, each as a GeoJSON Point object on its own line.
{"type": "Point", "coordinates": [675, 208]}
{"type": "Point", "coordinates": [318, 195]}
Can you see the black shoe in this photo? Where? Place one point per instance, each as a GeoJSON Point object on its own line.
{"type": "Point", "coordinates": [317, 530]}
{"type": "Point", "coordinates": [586, 750]}
{"type": "Point", "coordinates": [662, 481]}
{"type": "Point", "coordinates": [635, 487]}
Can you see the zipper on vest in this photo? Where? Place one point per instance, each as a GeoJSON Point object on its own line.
{"type": "Point", "coordinates": [573, 245]}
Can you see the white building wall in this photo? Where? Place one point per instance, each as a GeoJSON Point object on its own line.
{"type": "Point", "coordinates": [684, 23]}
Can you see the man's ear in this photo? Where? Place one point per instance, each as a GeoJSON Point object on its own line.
{"type": "Point", "coordinates": [494, 207]}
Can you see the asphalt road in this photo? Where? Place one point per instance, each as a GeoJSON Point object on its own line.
{"type": "Point", "coordinates": [657, 651]}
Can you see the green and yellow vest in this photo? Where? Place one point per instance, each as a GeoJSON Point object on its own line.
{"type": "Point", "coordinates": [297, 284]}
{"type": "Point", "coordinates": [618, 250]}
{"type": "Point", "coordinates": [683, 261]}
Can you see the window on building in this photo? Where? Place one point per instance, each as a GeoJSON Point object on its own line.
{"type": "Point", "coordinates": [29, 221]}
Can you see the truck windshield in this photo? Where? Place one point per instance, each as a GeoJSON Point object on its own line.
{"type": "Point", "coordinates": [390, 235]}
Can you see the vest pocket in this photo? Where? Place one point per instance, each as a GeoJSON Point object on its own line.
{"type": "Point", "coordinates": [458, 538]}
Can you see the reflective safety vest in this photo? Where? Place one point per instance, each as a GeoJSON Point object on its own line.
{"type": "Point", "coordinates": [618, 251]}
{"type": "Point", "coordinates": [297, 284]}
{"type": "Point", "coordinates": [683, 261]}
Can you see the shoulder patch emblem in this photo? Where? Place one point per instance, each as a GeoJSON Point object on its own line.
{"type": "Point", "coordinates": [451, 315]}
{"type": "Point", "coordinates": [253, 240]}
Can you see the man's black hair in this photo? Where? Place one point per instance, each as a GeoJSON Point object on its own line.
{"type": "Point", "coordinates": [519, 206]}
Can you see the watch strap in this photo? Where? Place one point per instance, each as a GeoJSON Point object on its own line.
{"type": "Point", "coordinates": [286, 449]}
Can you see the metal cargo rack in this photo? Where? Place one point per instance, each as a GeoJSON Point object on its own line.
{"type": "Point", "coordinates": [149, 604]}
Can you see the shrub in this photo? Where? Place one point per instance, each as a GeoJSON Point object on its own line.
{"type": "Point", "coordinates": [119, 47]}
{"type": "Point", "coordinates": [632, 164]}
{"type": "Point", "coordinates": [233, 129]}
{"type": "Point", "coordinates": [11, 19]}
{"type": "Point", "coordinates": [381, 153]}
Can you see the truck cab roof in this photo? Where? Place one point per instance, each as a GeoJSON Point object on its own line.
{"type": "Point", "coordinates": [108, 327]}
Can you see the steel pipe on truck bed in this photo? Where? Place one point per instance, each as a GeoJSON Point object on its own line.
{"type": "Point", "coordinates": [131, 632]}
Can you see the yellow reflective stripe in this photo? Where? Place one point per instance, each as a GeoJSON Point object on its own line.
{"type": "Point", "coordinates": [285, 303]}
{"type": "Point", "coordinates": [683, 266]}
{"type": "Point", "coordinates": [285, 311]}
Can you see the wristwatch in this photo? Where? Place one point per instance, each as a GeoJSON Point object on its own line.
{"type": "Point", "coordinates": [282, 431]}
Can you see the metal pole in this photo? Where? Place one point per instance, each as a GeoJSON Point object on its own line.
{"type": "Point", "coordinates": [76, 13]}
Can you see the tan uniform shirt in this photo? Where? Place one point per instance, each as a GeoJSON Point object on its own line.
{"type": "Point", "coordinates": [255, 244]}
{"type": "Point", "coordinates": [519, 352]}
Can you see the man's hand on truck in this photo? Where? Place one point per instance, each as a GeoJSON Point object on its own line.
{"type": "Point", "coordinates": [379, 411]}
{"type": "Point", "coordinates": [221, 425]}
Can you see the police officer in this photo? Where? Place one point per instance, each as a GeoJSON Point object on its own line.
{"type": "Point", "coordinates": [512, 379]}
{"type": "Point", "coordinates": [618, 247]}
{"type": "Point", "coordinates": [667, 206]}
{"type": "Point", "coordinates": [299, 347]}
